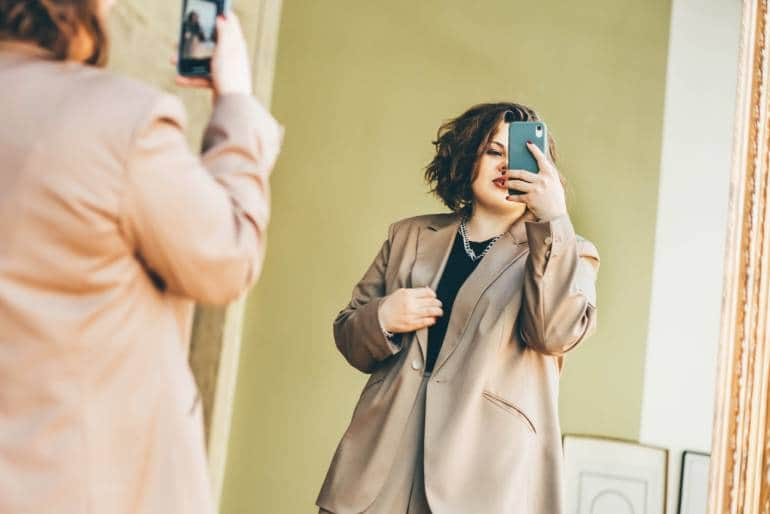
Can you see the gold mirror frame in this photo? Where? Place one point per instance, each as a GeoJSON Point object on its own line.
{"type": "Point", "coordinates": [738, 482]}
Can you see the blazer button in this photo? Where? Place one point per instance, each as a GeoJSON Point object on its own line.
{"type": "Point", "coordinates": [416, 364]}
{"type": "Point", "coordinates": [548, 240]}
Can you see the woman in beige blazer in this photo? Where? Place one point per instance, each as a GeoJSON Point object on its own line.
{"type": "Point", "coordinates": [110, 228]}
{"type": "Point", "coordinates": [463, 321]}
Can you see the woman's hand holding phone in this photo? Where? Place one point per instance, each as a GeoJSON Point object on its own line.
{"type": "Point", "coordinates": [407, 310]}
{"type": "Point", "coordinates": [543, 192]}
{"type": "Point", "coordinates": [230, 67]}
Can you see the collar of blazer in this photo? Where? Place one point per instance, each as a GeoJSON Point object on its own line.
{"type": "Point", "coordinates": [434, 243]}
{"type": "Point", "coordinates": [24, 48]}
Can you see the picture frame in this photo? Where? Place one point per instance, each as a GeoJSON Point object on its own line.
{"type": "Point", "coordinates": [693, 482]}
{"type": "Point", "coordinates": [606, 475]}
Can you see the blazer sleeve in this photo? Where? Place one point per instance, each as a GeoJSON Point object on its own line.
{"type": "Point", "coordinates": [357, 331]}
{"type": "Point", "coordinates": [199, 224]}
{"type": "Point", "coordinates": [559, 298]}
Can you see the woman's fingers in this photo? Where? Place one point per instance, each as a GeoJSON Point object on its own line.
{"type": "Point", "coordinates": [424, 322]}
{"type": "Point", "coordinates": [518, 198]}
{"type": "Point", "coordinates": [417, 324]}
{"type": "Point", "coordinates": [425, 292]}
{"type": "Point", "coordinates": [520, 185]}
{"type": "Point", "coordinates": [429, 302]}
{"type": "Point", "coordinates": [542, 160]}
{"type": "Point", "coordinates": [431, 311]}
{"type": "Point", "coordinates": [231, 66]}
{"type": "Point", "coordinates": [413, 309]}
{"type": "Point", "coordinates": [432, 306]}
{"type": "Point", "coordinates": [198, 82]}
{"type": "Point", "coordinates": [526, 176]}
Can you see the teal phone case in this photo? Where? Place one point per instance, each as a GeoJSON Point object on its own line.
{"type": "Point", "coordinates": [519, 156]}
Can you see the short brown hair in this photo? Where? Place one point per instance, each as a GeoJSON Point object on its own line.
{"type": "Point", "coordinates": [55, 25]}
{"type": "Point", "coordinates": [460, 143]}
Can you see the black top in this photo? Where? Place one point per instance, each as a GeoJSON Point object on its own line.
{"type": "Point", "coordinates": [458, 269]}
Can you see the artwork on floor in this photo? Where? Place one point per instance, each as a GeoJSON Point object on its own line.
{"type": "Point", "coordinates": [613, 476]}
{"type": "Point", "coordinates": [693, 485]}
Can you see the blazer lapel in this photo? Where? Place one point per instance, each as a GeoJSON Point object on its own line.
{"type": "Point", "coordinates": [507, 250]}
{"type": "Point", "coordinates": [434, 242]}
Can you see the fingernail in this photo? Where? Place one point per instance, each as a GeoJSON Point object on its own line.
{"type": "Point", "coordinates": [529, 142]}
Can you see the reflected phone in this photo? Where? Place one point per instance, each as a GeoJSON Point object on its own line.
{"type": "Point", "coordinates": [198, 35]}
{"type": "Point", "coordinates": [519, 156]}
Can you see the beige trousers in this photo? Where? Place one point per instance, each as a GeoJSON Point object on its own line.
{"type": "Point", "coordinates": [404, 489]}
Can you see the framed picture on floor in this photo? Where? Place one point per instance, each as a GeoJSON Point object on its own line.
{"type": "Point", "coordinates": [693, 484]}
{"type": "Point", "coordinates": [613, 476]}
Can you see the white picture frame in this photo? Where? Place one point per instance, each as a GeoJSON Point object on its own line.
{"type": "Point", "coordinates": [614, 476]}
{"type": "Point", "coordinates": [693, 483]}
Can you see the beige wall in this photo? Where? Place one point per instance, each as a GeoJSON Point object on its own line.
{"type": "Point", "coordinates": [144, 34]}
{"type": "Point", "coordinates": [362, 87]}
{"type": "Point", "coordinates": [683, 343]}
{"type": "Point", "coordinates": [143, 38]}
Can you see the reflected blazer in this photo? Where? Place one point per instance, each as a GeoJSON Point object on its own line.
{"type": "Point", "coordinates": [110, 228]}
{"type": "Point", "coordinates": [492, 436]}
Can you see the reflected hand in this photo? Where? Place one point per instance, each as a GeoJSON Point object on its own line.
{"type": "Point", "coordinates": [543, 192]}
{"type": "Point", "coordinates": [407, 310]}
{"type": "Point", "coordinates": [230, 67]}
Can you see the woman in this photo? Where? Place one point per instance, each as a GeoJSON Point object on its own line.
{"type": "Point", "coordinates": [110, 228]}
{"type": "Point", "coordinates": [192, 35]}
{"type": "Point", "coordinates": [462, 321]}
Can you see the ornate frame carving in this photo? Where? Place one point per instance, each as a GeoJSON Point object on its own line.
{"type": "Point", "coordinates": [739, 467]}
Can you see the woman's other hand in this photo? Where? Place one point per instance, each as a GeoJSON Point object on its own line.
{"type": "Point", "coordinates": [407, 310]}
{"type": "Point", "coordinates": [230, 66]}
{"type": "Point", "coordinates": [543, 192]}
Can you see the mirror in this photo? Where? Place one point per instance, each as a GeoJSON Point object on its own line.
{"type": "Point", "coordinates": [640, 98]}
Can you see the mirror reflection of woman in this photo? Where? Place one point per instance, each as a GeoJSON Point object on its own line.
{"type": "Point", "coordinates": [463, 321]}
{"type": "Point", "coordinates": [192, 35]}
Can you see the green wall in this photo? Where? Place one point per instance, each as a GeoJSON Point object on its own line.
{"type": "Point", "coordinates": [362, 88]}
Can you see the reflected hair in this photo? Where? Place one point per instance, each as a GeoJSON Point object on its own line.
{"type": "Point", "coordinates": [56, 25]}
{"type": "Point", "coordinates": [459, 145]}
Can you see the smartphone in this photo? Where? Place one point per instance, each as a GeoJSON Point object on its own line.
{"type": "Point", "coordinates": [198, 35]}
{"type": "Point", "coordinates": [519, 156]}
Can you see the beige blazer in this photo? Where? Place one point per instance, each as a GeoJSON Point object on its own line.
{"type": "Point", "coordinates": [492, 437]}
{"type": "Point", "coordinates": [109, 229]}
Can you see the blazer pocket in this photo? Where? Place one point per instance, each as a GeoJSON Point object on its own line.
{"type": "Point", "coordinates": [509, 407]}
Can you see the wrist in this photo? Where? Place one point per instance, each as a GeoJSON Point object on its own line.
{"type": "Point", "coordinates": [548, 217]}
{"type": "Point", "coordinates": [387, 333]}
{"type": "Point", "coordinates": [233, 90]}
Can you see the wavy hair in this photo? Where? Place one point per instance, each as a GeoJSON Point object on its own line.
{"type": "Point", "coordinates": [56, 25]}
{"type": "Point", "coordinates": [459, 145]}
